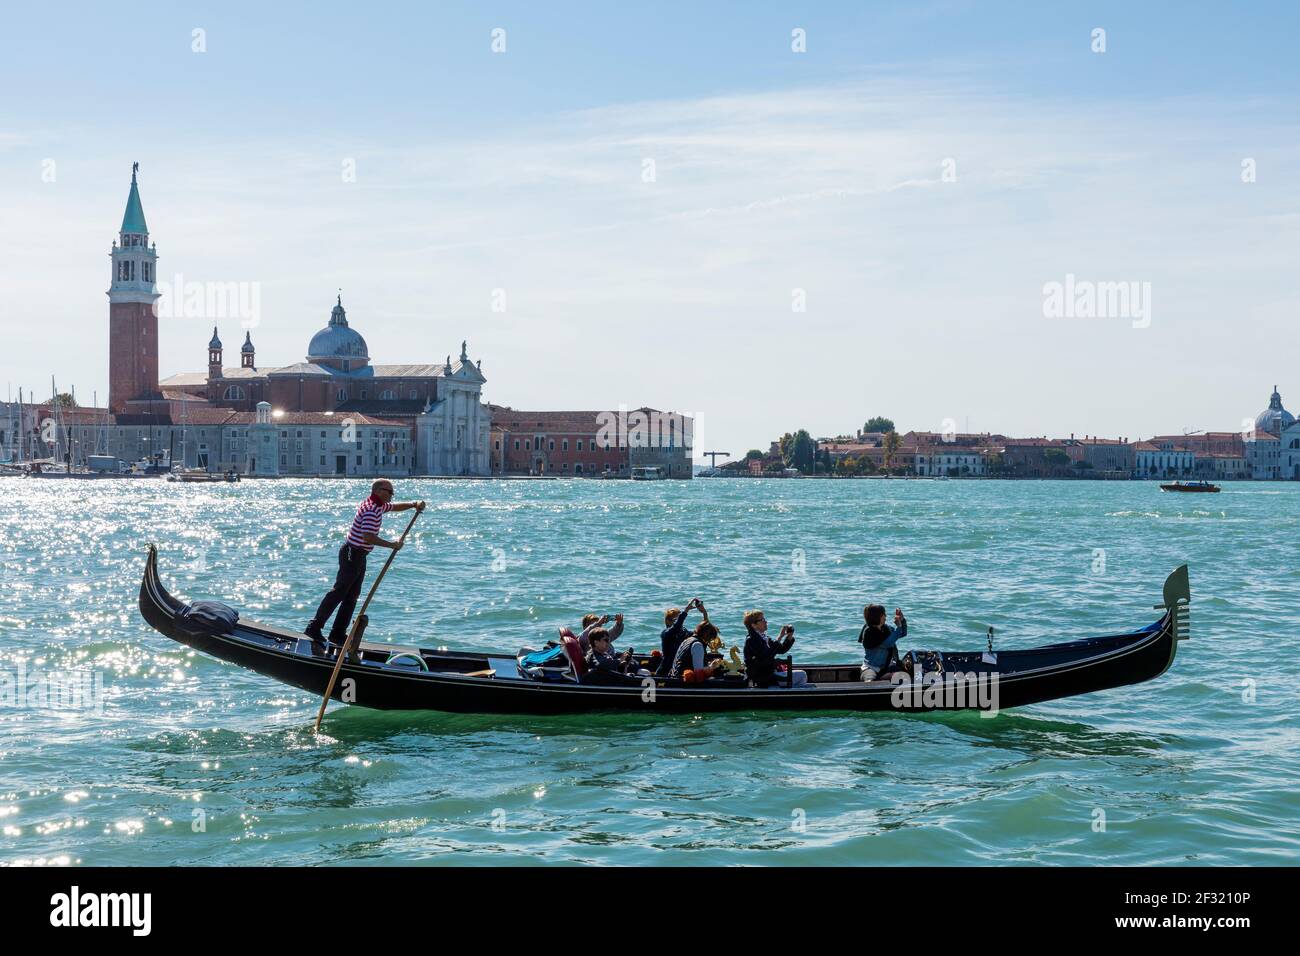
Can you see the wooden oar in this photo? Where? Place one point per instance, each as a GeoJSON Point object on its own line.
{"type": "Point", "coordinates": [347, 647]}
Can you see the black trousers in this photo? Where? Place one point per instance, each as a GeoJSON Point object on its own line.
{"type": "Point", "coordinates": [343, 595]}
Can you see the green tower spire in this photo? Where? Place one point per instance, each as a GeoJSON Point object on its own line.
{"type": "Point", "coordinates": [133, 220]}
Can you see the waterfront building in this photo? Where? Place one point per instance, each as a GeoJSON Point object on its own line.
{"type": "Point", "coordinates": [586, 443]}
{"type": "Point", "coordinates": [1220, 466]}
{"type": "Point", "coordinates": [1096, 457]}
{"type": "Point", "coordinates": [1289, 451]}
{"type": "Point", "coordinates": [437, 405]}
{"type": "Point", "coordinates": [1030, 458]}
{"type": "Point", "coordinates": [835, 451]}
{"type": "Point", "coordinates": [1264, 456]}
{"type": "Point", "coordinates": [1163, 458]}
{"type": "Point", "coordinates": [951, 460]}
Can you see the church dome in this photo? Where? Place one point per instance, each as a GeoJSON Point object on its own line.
{"type": "Point", "coordinates": [1275, 418]}
{"type": "Point", "coordinates": [338, 342]}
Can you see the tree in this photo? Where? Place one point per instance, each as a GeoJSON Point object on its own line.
{"type": "Point", "coordinates": [892, 444]}
{"type": "Point", "coordinates": [753, 455]}
{"type": "Point", "coordinates": [1055, 459]}
{"type": "Point", "coordinates": [64, 400]}
{"type": "Point", "coordinates": [879, 424]}
{"type": "Point", "coordinates": [798, 451]}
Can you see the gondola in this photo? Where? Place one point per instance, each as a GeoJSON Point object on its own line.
{"type": "Point", "coordinates": [392, 677]}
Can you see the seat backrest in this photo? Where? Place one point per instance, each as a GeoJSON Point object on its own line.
{"type": "Point", "coordinates": [574, 650]}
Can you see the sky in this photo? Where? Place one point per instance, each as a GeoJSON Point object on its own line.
{"type": "Point", "coordinates": [670, 205]}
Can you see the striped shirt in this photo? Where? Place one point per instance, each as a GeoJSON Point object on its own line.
{"type": "Point", "coordinates": [369, 514]}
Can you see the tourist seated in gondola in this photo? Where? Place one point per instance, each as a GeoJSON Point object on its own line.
{"type": "Point", "coordinates": [674, 633]}
{"type": "Point", "coordinates": [592, 621]}
{"type": "Point", "coordinates": [879, 641]}
{"type": "Point", "coordinates": [761, 652]}
{"type": "Point", "coordinates": [689, 662]}
{"type": "Point", "coordinates": [605, 667]}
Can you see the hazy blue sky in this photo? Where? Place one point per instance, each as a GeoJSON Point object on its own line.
{"type": "Point", "coordinates": [774, 171]}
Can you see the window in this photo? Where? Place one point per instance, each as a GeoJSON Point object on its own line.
{"type": "Point", "coordinates": [578, 468]}
{"type": "Point", "coordinates": [363, 394]}
{"type": "Point", "coordinates": [516, 444]}
{"type": "Point", "coordinates": [413, 394]}
{"type": "Point", "coordinates": [579, 444]}
{"type": "Point", "coordinates": [564, 445]}
{"type": "Point", "coordinates": [342, 395]}
{"type": "Point", "coordinates": [551, 446]}
{"type": "Point", "coordinates": [389, 395]}
{"type": "Point", "coordinates": [497, 444]}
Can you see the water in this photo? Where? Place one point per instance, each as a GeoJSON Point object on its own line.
{"type": "Point", "coordinates": [195, 761]}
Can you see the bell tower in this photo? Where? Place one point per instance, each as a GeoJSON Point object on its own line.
{"type": "Point", "coordinates": [132, 319]}
{"type": "Point", "coordinates": [214, 356]}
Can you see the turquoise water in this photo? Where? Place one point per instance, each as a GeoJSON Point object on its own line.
{"type": "Point", "coordinates": [189, 760]}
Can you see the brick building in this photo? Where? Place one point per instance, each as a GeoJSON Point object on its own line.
{"type": "Point", "coordinates": [583, 443]}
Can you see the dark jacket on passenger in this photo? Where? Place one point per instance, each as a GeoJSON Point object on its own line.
{"type": "Point", "coordinates": [760, 657]}
{"type": "Point", "coordinates": [669, 641]}
{"type": "Point", "coordinates": [684, 659]}
{"type": "Point", "coordinates": [607, 668]}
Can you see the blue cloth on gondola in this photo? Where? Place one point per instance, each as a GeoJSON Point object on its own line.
{"type": "Point", "coordinates": [211, 617]}
{"type": "Point", "coordinates": [550, 657]}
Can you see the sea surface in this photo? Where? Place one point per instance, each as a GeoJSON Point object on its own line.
{"type": "Point", "coordinates": [185, 760]}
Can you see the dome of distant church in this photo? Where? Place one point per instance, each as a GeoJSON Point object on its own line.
{"type": "Point", "coordinates": [1274, 418]}
{"type": "Point", "coordinates": [336, 342]}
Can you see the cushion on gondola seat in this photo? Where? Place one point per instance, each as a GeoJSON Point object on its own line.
{"type": "Point", "coordinates": [574, 650]}
{"type": "Point", "coordinates": [208, 617]}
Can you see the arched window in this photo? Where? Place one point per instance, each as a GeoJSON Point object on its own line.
{"type": "Point", "coordinates": [234, 394]}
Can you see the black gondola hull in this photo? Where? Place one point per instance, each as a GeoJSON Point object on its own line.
{"type": "Point", "coordinates": [1018, 678]}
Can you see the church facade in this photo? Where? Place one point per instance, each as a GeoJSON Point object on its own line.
{"type": "Point", "coordinates": [428, 418]}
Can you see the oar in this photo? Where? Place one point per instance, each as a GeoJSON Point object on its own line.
{"type": "Point", "coordinates": [343, 651]}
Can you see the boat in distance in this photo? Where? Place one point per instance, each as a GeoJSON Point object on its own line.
{"type": "Point", "coordinates": [393, 677]}
{"type": "Point", "coordinates": [1202, 486]}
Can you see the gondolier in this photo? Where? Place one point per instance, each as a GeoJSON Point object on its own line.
{"type": "Point", "coordinates": [363, 537]}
